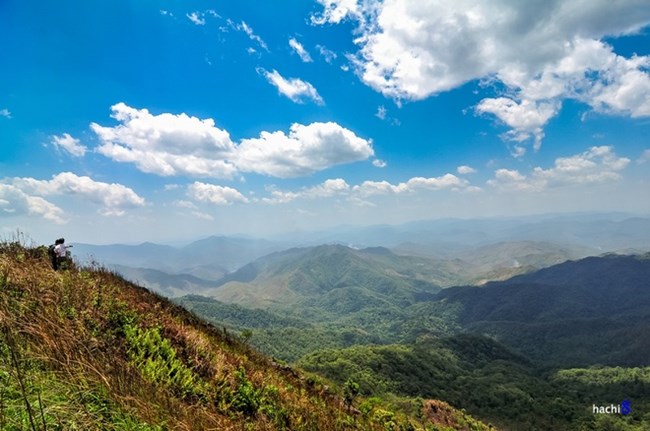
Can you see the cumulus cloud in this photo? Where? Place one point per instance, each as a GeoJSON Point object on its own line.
{"type": "Point", "coordinates": [218, 195]}
{"type": "Point", "coordinates": [464, 170]}
{"type": "Point", "coordinates": [168, 144]}
{"type": "Point", "coordinates": [300, 50]}
{"type": "Point", "coordinates": [378, 163]}
{"type": "Point", "coordinates": [359, 194]}
{"type": "Point", "coordinates": [328, 188]}
{"type": "Point", "coordinates": [295, 89]}
{"type": "Point", "coordinates": [15, 202]}
{"type": "Point", "coordinates": [5, 113]}
{"type": "Point", "coordinates": [306, 149]}
{"type": "Point", "coordinates": [69, 144]}
{"type": "Point", "coordinates": [511, 179]}
{"type": "Point", "coordinates": [541, 53]}
{"type": "Point", "coordinates": [526, 118]}
{"type": "Point", "coordinates": [336, 11]}
{"type": "Point", "coordinates": [596, 165]}
{"type": "Point", "coordinates": [447, 181]}
{"type": "Point", "coordinates": [113, 198]}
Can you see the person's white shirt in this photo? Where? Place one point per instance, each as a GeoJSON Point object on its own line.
{"type": "Point", "coordinates": [60, 250]}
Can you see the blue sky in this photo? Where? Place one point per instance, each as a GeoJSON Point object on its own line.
{"type": "Point", "coordinates": [126, 121]}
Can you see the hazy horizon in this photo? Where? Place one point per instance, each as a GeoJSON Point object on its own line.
{"type": "Point", "coordinates": [295, 235]}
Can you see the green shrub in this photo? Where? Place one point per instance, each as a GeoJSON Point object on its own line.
{"type": "Point", "coordinates": [156, 359]}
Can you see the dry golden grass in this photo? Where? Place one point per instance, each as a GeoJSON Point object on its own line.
{"type": "Point", "coordinates": [73, 324]}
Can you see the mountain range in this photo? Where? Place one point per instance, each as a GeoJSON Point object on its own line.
{"type": "Point", "coordinates": [465, 251]}
{"type": "Point", "coordinates": [524, 334]}
{"type": "Point", "coordinates": [528, 349]}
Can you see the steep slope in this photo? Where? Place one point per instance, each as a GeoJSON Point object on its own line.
{"type": "Point", "coordinates": [84, 349]}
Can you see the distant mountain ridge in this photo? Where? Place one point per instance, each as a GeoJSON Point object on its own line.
{"type": "Point", "coordinates": [309, 275]}
{"type": "Point", "coordinates": [208, 258]}
{"type": "Point", "coordinates": [463, 251]}
{"type": "Point", "coordinates": [601, 304]}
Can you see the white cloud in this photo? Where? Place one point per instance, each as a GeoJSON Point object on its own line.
{"type": "Point", "coordinates": [596, 165]}
{"type": "Point", "coordinates": [300, 50]}
{"type": "Point", "coordinates": [447, 181]}
{"type": "Point", "coordinates": [306, 149]}
{"type": "Point", "coordinates": [336, 11]}
{"type": "Point", "coordinates": [378, 163]}
{"type": "Point", "coordinates": [506, 179]}
{"type": "Point", "coordinates": [5, 113]}
{"type": "Point", "coordinates": [196, 17]}
{"type": "Point", "coordinates": [542, 53]}
{"type": "Point", "coordinates": [194, 210]}
{"type": "Point", "coordinates": [69, 144]}
{"type": "Point", "coordinates": [464, 170]}
{"type": "Point", "coordinates": [328, 188]}
{"type": "Point", "coordinates": [202, 216]}
{"type": "Point", "coordinates": [518, 151]}
{"type": "Point", "coordinates": [250, 33]}
{"type": "Point", "coordinates": [15, 202]}
{"type": "Point", "coordinates": [381, 112]}
{"type": "Point", "coordinates": [360, 193]}
{"type": "Point", "coordinates": [218, 195]}
{"type": "Point", "coordinates": [168, 144]}
{"type": "Point", "coordinates": [526, 118]}
{"type": "Point", "coordinates": [295, 89]}
{"type": "Point", "coordinates": [113, 198]}
{"type": "Point", "coordinates": [185, 204]}
{"type": "Point", "coordinates": [645, 157]}
{"type": "Point", "coordinates": [328, 55]}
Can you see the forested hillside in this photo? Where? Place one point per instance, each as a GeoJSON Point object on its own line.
{"type": "Point", "coordinates": [536, 351]}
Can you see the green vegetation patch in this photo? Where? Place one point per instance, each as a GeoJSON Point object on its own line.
{"type": "Point", "coordinates": [156, 358]}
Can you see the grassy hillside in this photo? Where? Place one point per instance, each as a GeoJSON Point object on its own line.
{"type": "Point", "coordinates": [84, 349]}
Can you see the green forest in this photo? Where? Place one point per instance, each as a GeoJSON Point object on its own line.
{"type": "Point", "coordinates": [534, 352]}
